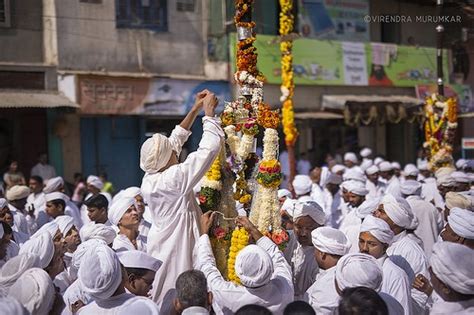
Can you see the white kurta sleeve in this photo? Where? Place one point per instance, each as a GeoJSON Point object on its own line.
{"type": "Point", "coordinates": [280, 265]}
{"type": "Point", "coordinates": [207, 264]}
{"type": "Point", "coordinates": [188, 174]}
{"type": "Point", "coordinates": [178, 138]}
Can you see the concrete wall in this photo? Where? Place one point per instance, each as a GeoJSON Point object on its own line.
{"type": "Point", "coordinates": [23, 41]}
{"type": "Point", "coordinates": [89, 40]}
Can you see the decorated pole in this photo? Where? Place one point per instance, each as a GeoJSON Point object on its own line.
{"type": "Point", "coordinates": [439, 49]}
{"type": "Point", "coordinates": [287, 84]}
{"type": "Point", "coordinates": [440, 115]}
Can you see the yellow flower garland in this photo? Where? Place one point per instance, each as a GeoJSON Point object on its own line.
{"type": "Point", "coordinates": [240, 239]}
{"type": "Point", "coordinates": [287, 85]}
{"type": "Point", "coordinates": [214, 173]}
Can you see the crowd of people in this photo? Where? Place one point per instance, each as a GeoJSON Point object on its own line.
{"type": "Point", "coordinates": [366, 237]}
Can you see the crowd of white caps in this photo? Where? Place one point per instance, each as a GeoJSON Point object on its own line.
{"type": "Point", "coordinates": [405, 233]}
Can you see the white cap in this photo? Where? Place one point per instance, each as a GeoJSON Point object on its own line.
{"type": "Point", "coordinates": [138, 259]}
{"type": "Point", "coordinates": [311, 209]}
{"type": "Point", "coordinates": [378, 160]}
{"type": "Point", "coordinates": [396, 165]}
{"type": "Point", "coordinates": [350, 156]}
{"type": "Point", "coordinates": [337, 168]}
{"type": "Point", "coordinates": [284, 193]}
{"type": "Point", "coordinates": [411, 187]}
{"type": "Point", "coordinates": [372, 170]}
{"type": "Point", "coordinates": [365, 152]}
{"type": "Point", "coordinates": [302, 184]}
{"type": "Point", "coordinates": [460, 177]}
{"type": "Point", "coordinates": [385, 166]}
{"type": "Point", "coordinates": [55, 196]}
{"type": "Point", "coordinates": [410, 170]}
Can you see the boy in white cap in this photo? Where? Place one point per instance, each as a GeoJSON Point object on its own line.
{"type": "Point", "coordinates": [141, 269]}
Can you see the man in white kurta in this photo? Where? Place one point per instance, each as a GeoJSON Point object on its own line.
{"type": "Point", "coordinates": [330, 245]}
{"type": "Point", "coordinates": [429, 218]}
{"type": "Point", "coordinates": [375, 187]}
{"type": "Point", "coordinates": [308, 216]}
{"type": "Point", "coordinates": [169, 193]}
{"type": "Point", "coordinates": [404, 251]}
{"type": "Point", "coordinates": [263, 271]}
{"type": "Point", "coordinates": [452, 277]}
{"type": "Point", "coordinates": [374, 239]}
{"type": "Point", "coordinates": [393, 183]}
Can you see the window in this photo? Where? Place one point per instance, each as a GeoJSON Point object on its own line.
{"type": "Point", "coordinates": [185, 5]}
{"type": "Point", "coordinates": [151, 14]}
{"type": "Point", "coordinates": [5, 13]}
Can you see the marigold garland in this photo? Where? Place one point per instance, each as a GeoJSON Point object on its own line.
{"type": "Point", "coordinates": [240, 239]}
{"type": "Point", "coordinates": [440, 127]}
{"type": "Point", "coordinates": [287, 85]}
{"type": "Point", "coordinates": [209, 196]}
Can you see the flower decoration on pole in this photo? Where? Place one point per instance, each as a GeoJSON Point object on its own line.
{"type": "Point", "coordinates": [240, 239]}
{"type": "Point", "coordinates": [287, 86]}
{"type": "Point", "coordinates": [440, 129]}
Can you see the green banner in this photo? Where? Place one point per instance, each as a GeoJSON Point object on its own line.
{"type": "Point", "coordinates": [322, 62]}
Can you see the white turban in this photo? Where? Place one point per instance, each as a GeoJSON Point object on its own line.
{"type": "Point", "coordinates": [337, 168]}
{"type": "Point", "coordinates": [423, 165]}
{"type": "Point", "coordinates": [155, 153]}
{"type": "Point", "coordinates": [411, 187]}
{"type": "Point", "coordinates": [462, 222]}
{"type": "Point", "coordinates": [11, 306]}
{"type": "Point", "coordinates": [15, 267]}
{"type": "Point", "coordinates": [460, 177]}
{"type": "Point", "coordinates": [366, 164]}
{"type": "Point", "coordinates": [445, 180]}
{"type": "Point", "coordinates": [443, 171]}
{"type": "Point", "coordinates": [365, 152]}
{"type": "Point", "coordinates": [456, 200]}
{"type": "Point", "coordinates": [75, 293]}
{"type": "Point", "coordinates": [331, 241]}
{"type": "Point", "coordinates": [396, 165]}
{"type": "Point", "coordinates": [358, 270]}
{"type": "Point", "coordinates": [53, 184]}
{"type": "Point", "coordinates": [35, 290]}
{"type": "Point", "coordinates": [289, 206]}
{"type": "Point", "coordinates": [3, 203]}
{"type": "Point", "coordinates": [452, 264]}
{"type": "Point", "coordinates": [357, 188]}
{"type": "Point", "coordinates": [378, 160]}
{"type": "Point", "coordinates": [100, 272]}
{"type": "Point", "coordinates": [355, 174]}
{"type": "Point", "coordinates": [132, 192]}
{"type": "Point", "coordinates": [460, 164]}
{"type": "Point", "coordinates": [284, 193]}
{"type": "Point", "coordinates": [253, 266]}
{"type": "Point", "coordinates": [42, 246]}
{"type": "Point", "coordinates": [79, 254]}
{"type": "Point", "coordinates": [118, 209]}
{"type": "Point", "coordinates": [65, 224]}
{"type": "Point", "coordinates": [17, 192]}
{"type": "Point", "coordinates": [334, 179]}
{"type": "Point", "coordinates": [99, 231]}
{"type": "Point", "coordinates": [139, 305]}
{"type": "Point", "coordinates": [367, 208]}
{"type": "Point", "coordinates": [378, 228]}
{"type": "Point", "coordinates": [385, 166]}
{"type": "Point", "coordinates": [372, 170]}
{"type": "Point", "coordinates": [55, 196]}
{"type": "Point", "coordinates": [51, 227]}
{"type": "Point", "coordinates": [138, 259]}
{"type": "Point", "coordinates": [302, 184]}
{"type": "Point", "coordinates": [350, 156]}
{"type": "Point", "coordinates": [410, 170]}
{"type": "Point", "coordinates": [399, 211]}
{"type": "Point", "coordinates": [95, 181]}
{"type": "Point", "coordinates": [311, 209]}
{"type": "Point", "coordinates": [117, 196]}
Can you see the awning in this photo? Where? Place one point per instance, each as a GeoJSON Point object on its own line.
{"type": "Point", "coordinates": [34, 99]}
{"type": "Point", "coordinates": [369, 109]}
{"type": "Point", "coordinates": [318, 115]}
{"type": "Point", "coordinates": [339, 101]}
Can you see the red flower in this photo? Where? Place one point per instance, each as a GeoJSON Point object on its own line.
{"type": "Point", "coordinates": [202, 199]}
{"type": "Point", "coordinates": [219, 233]}
{"type": "Point", "coordinates": [277, 239]}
